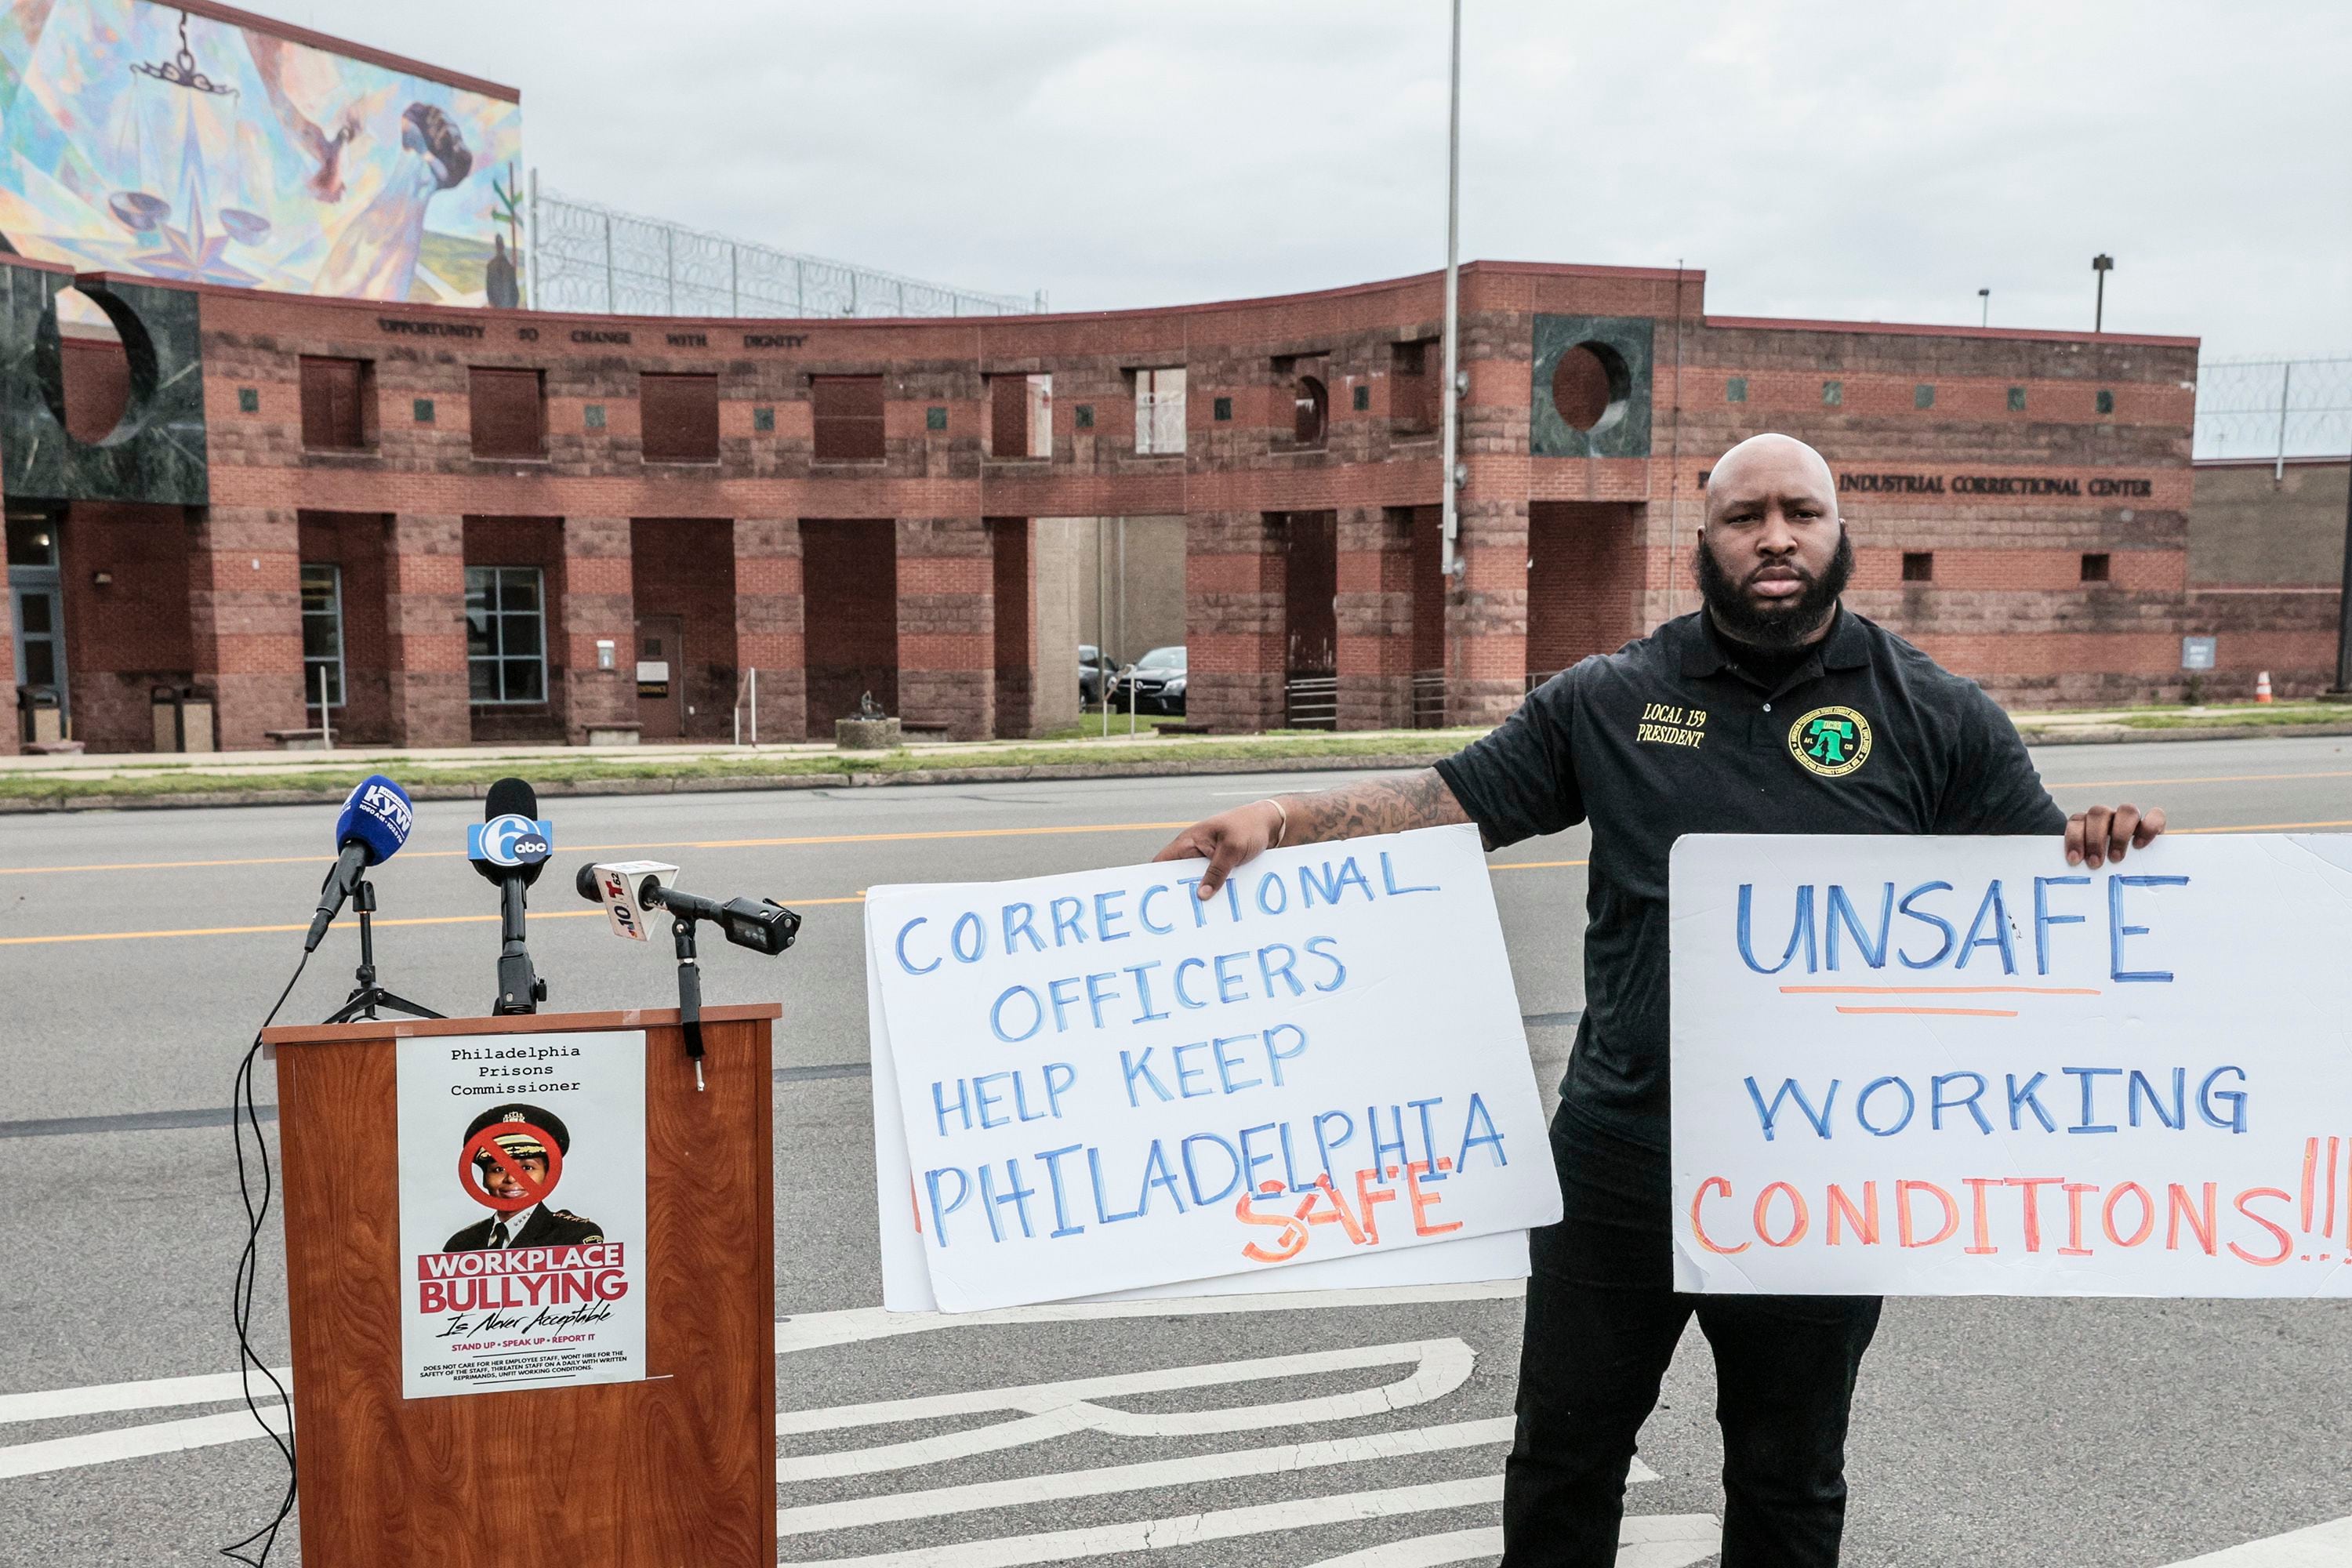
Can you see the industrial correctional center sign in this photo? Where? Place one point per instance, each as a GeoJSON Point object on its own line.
{"type": "Point", "coordinates": [1962, 1067]}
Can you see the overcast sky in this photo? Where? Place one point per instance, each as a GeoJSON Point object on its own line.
{"type": "Point", "coordinates": [1857, 160]}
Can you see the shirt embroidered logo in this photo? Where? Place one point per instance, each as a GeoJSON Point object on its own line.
{"type": "Point", "coordinates": [1664, 724]}
{"type": "Point", "coordinates": [1830, 742]}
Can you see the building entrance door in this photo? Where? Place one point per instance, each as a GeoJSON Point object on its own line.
{"type": "Point", "coordinates": [38, 619]}
{"type": "Point", "coordinates": [661, 678]}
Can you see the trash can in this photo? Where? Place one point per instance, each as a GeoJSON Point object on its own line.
{"type": "Point", "coordinates": [164, 709]}
{"type": "Point", "coordinates": [39, 721]}
{"type": "Point", "coordinates": [196, 720]}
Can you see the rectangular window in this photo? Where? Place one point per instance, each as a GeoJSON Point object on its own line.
{"type": "Point", "coordinates": [846, 414]}
{"type": "Point", "coordinates": [510, 411]}
{"type": "Point", "coordinates": [679, 418]}
{"type": "Point", "coordinates": [336, 399]}
{"type": "Point", "coordinates": [2095, 566]}
{"type": "Point", "coordinates": [1735, 390]}
{"type": "Point", "coordinates": [1021, 416]}
{"type": "Point", "coordinates": [2017, 399]}
{"type": "Point", "coordinates": [1160, 412]}
{"type": "Point", "coordinates": [1923, 395]}
{"type": "Point", "coordinates": [1919, 566]}
{"type": "Point", "coordinates": [1417, 386]}
{"type": "Point", "coordinates": [2106, 401]}
{"type": "Point", "coordinates": [1833, 393]}
{"type": "Point", "coordinates": [322, 629]}
{"type": "Point", "coordinates": [506, 642]}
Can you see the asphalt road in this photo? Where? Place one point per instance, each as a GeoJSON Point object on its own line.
{"type": "Point", "coordinates": [2075, 1433]}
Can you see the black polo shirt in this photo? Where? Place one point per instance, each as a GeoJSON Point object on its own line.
{"type": "Point", "coordinates": [1669, 735]}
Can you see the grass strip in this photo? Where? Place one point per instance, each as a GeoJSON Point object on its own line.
{"type": "Point", "coordinates": [342, 772]}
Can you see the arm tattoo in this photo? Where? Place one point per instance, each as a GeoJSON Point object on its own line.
{"type": "Point", "coordinates": [1376, 805]}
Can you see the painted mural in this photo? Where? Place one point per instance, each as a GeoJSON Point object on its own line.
{"type": "Point", "coordinates": [140, 137]}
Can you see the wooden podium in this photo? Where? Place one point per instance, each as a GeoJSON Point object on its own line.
{"type": "Point", "coordinates": [677, 1471]}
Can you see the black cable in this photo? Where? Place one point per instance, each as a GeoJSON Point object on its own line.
{"type": "Point", "coordinates": [247, 1269]}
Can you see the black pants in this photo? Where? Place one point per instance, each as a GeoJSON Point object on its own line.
{"type": "Point", "coordinates": [1601, 1324]}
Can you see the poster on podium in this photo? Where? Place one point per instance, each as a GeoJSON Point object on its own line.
{"type": "Point", "coordinates": [522, 1210]}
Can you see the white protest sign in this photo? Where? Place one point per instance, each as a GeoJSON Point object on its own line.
{"type": "Point", "coordinates": [522, 1210]}
{"type": "Point", "coordinates": [907, 1280]}
{"type": "Point", "coordinates": [1962, 1067]}
{"type": "Point", "coordinates": [1106, 1083]}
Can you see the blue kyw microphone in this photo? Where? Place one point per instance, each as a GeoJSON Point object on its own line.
{"type": "Point", "coordinates": [374, 825]}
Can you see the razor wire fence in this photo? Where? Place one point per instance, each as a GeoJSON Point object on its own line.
{"type": "Point", "coordinates": [2274, 408]}
{"type": "Point", "coordinates": [587, 257]}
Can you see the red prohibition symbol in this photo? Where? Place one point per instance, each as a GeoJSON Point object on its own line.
{"type": "Point", "coordinates": [485, 1142]}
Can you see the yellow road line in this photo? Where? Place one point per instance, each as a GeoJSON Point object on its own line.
{"type": "Point", "coordinates": [2207, 778]}
{"type": "Point", "coordinates": [411, 921]}
{"type": "Point", "coordinates": [634, 848]}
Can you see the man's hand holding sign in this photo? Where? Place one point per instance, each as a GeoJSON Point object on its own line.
{"type": "Point", "coordinates": [1773, 712]}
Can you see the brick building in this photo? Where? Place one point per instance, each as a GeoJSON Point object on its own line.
{"type": "Point", "coordinates": [472, 525]}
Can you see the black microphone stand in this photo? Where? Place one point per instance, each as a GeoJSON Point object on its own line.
{"type": "Point", "coordinates": [520, 990]}
{"type": "Point", "coordinates": [366, 994]}
{"type": "Point", "coordinates": [689, 992]}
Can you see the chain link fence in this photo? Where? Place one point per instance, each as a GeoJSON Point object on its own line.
{"type": "Point", "coordinates": [585, 257]}
{"type": "Point", "coordinates": [2274, 408]}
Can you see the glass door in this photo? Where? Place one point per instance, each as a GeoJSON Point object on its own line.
{"type": "Point", "coordinates": [37, 620]}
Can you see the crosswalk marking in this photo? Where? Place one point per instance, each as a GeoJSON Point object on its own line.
{"type": "Point", "coordinates": [855, 1325]}
{"type": "Point", "coordinates": [1056, 1409]}
{"type": "Point", "coordinates": [135, 1442]}
{"type": "Point", "coordinates": [1106, 1480]}
{"type": "Point", "coordinates": [2325, 1545]}
{"type": "Point", "coordinates": [1290, 1515]}
{"type": "Point", "coordinates": [1647, 1540]}
{"type": "Point", "coordinates": [1424, 1550]}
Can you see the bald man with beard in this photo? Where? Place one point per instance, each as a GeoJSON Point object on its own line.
{"type": "Point", "coordinates": [1773, 709]}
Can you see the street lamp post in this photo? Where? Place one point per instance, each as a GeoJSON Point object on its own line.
{"type": "Point", "coordinates": [2101, 265]}
{"type": "Point", "coordinates": [1985, 295]}
{"type": "Point", "coordinates": [2343, 688]}
{"type": "Point", "coordinates": [1450, 524]}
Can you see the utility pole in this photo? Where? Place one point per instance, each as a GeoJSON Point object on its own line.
{"type": "Point", "coordinates": [1450, 525]}
{"type": "Point", "coordinates": [2101, 265]}
{"type": "Point", "coordinates": [2343, 687]}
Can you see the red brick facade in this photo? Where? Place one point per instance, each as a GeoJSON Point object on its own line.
{"type": "Point", "coordinates": [2008, 456]}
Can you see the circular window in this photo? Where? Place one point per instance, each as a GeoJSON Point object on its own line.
{"type": "Point", "coordinates": [95, 362]}
{"type": "Point", "coordinates": [93, 371]}
{"type": "Point", "coordinates": [1589, 387]}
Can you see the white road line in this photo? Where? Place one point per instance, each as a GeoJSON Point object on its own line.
{"type": "Point", "coordinates": [1054, 1409]}
{"type": "Point", "coordinates": [98, 1399]}
{"type": "Point", "coordinates": [1653, 1541]}
{"type": "Point", "coordinates": [1667, 1540]}
{"type": "Point", "coordinates": [135, 1442]}
{"type": "Point", "coordinates": [816, 1330]}
{"type": "Point", "coordinates": [803, 1331]}
{"type": "Point", "coordinates": [1186, 1530]}
{"type": "Point", "coordinates": [2325, 1545]}
{"type": "Point", "coordinates": [811, 1330]}
{"type": "Point", "coordinates": [1108, 1479]}
{"type": "Point", "coordinates": [1424, 1550]}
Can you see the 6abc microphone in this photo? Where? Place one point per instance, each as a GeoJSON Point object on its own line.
{"type": "Point", "coordinates": [510, 847]}
{"type": "Point", "coordinates": [630, 890]}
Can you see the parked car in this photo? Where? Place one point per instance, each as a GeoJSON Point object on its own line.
{"type": "Point", "coordinates": [1094, 671]}
{"type": "Point", "coordinates": [1157, 680]}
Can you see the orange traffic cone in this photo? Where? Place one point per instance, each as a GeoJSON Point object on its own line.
{"type": "Point", "coordinates": [2263, 687]}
